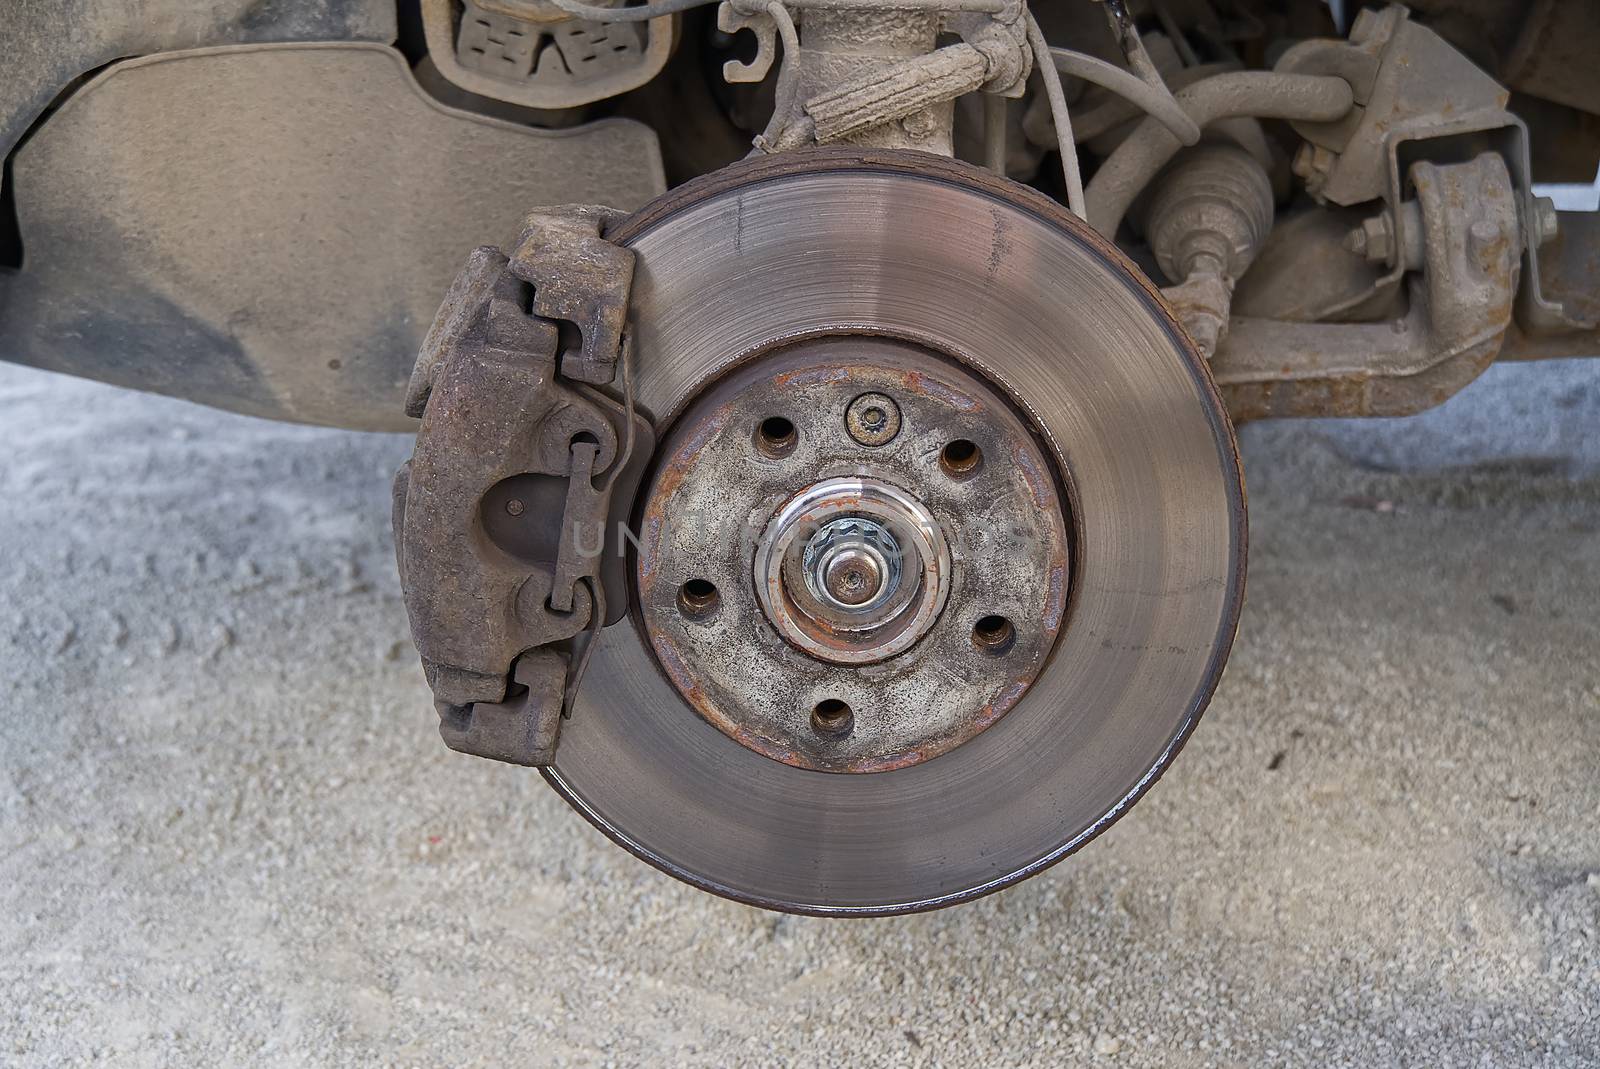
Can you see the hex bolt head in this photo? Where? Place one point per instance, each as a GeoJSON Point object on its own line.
{"type": "Point", "coordinates": [873, 419]}
{"type": "Point", "coordinates": [852, 576]}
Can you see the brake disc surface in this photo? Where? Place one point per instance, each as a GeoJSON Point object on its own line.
{"type": "Point", "coordinates": [763, 259]}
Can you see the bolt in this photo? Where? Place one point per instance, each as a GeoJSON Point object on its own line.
{"type": "Point", "coordinates": [872, 419]}
{"type": "Point", "coordinates": [514, 507]}
{"type": "Point", "coordinates": [1545, 221]}
{"type": "Point", "coordinates": [1486, 244]}
{"type": "Point", "coordinates": [920, 125]}
{"type": "Point", "coordinates": [1481, 234]}
{"type": "Point", "coordinates": [852, 576]}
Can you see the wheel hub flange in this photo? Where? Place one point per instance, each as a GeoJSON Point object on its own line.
{"type": "Point", "coordinates": [854, 568]}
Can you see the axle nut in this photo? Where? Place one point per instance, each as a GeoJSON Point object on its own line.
{"type": "Point", "coordinates": [852, 564]}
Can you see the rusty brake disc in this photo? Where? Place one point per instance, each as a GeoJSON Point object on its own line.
{"type": "Point", "coordinates": [804, 288]}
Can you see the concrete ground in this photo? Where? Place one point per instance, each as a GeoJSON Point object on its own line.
{"type": "Point", "coordinates": [229, 833]}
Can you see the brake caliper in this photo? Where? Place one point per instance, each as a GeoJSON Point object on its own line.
{"type": "Point", "coordinates": [501, 516]}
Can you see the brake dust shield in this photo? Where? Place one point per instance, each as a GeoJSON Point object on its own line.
{"type": "Point", "coordinates": [989, 316]}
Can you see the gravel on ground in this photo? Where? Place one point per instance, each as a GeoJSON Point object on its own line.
{"type": "Point", "coordinates": [229, 833]}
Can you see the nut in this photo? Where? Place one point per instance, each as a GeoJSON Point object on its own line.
{"type": "Point", "coordinates": [852, 564]}
{"type": "Point", "coordinates": [1374, 239]}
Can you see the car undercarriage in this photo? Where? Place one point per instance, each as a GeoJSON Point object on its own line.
{"type": "Point", "coordinates": [825, 480]}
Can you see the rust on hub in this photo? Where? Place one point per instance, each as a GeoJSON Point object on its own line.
{"type": "Point", "coordinates": [854, 566]}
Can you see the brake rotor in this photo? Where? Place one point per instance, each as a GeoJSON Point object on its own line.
{"type": "Point", "coordinates": [943, 549]}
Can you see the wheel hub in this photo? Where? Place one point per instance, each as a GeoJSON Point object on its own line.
{"type": "Point", "coordinates": [849, 571]}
